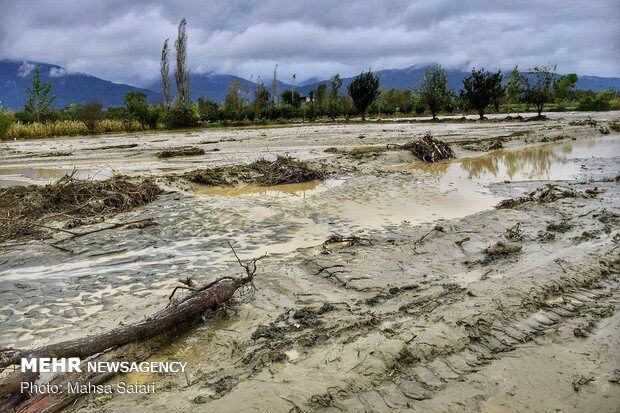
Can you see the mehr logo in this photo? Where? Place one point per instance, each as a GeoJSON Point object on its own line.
{"type": "Point", "coordinates": [51, 365]}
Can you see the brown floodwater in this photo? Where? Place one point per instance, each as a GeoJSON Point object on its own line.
{"type": "Point", "coordinates": [10, 176]}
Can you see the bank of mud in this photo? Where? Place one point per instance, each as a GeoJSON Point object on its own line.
{"type": "Point", "coordinates": [417, 319]}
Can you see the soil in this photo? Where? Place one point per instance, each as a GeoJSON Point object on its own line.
{"type": "Point", "coordinates": [362, 304]}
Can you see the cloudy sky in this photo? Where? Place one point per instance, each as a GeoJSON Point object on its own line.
{"type": "Point", "coordinates": [121, 40]}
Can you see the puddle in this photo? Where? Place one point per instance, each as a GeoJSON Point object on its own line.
{"type": "Point", "coordinates": [26, 176]}
{"type": "Point", "coordinates": [554, 161]}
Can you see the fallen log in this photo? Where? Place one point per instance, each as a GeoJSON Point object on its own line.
{"type": "Point", "coordinates": [192, 306]}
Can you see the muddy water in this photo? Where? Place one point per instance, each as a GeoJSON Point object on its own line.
{"type": "Point", "coordinates": [193, 231]}
{"type": "Point", "coordinates": [26, 176]}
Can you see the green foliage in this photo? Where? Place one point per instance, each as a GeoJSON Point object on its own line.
{"type": "Point", "coordinates": [291, 97]}
{"type": "Point", "coordinates": [565, 86]}
{"type": "Point", "coordinates": [514, 86]}
{"type": "Point", "coordinates": [138, 109]}
{"type": "Point", "coordinates": [539, 91]}
{"type": "Point", "coordinates": [6, 120]}
{"type": "Point", "coordinates": [364, 90]}
{"type": "Point", "coordinates": [433, 91]}
{"type": "Point", "coordinates": [209, 110]}
{"type": "Point", "coordinates": [233, 104]}
{"type": "Point", "coordinates": [600, 102]}
{"type": "Point", "coordinates": [182, 114]}
{"type": "Point", "coordinates": [261, 99]}
{"type": "Point", "coordinates": [39, 103]}
{"type": "Point", "coordinates": [90, 114]}
{"type": "Point", "coordinates": [481, 88]}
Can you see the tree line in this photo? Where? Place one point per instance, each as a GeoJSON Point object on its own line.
{"type": "Point", "coordinates": [481, 91]}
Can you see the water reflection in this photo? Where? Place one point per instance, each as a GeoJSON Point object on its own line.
{"type": "Point", "coordinates": [526, 164]}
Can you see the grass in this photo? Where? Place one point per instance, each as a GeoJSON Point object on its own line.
{"type": "Point", "coordinates": [36, 130]}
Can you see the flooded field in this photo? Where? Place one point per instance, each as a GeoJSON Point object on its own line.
{"type": "Point", "coordinates": [403, 314]}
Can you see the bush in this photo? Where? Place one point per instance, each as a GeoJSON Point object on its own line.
{"type": "Point", "coordinates": [6, 120]}
{"type": "Point", "coordinates": [601, 102]}
{"type": "Point", "coordinates": [182, 114]}
{"type": "Point", "coordinates": [90, 115]}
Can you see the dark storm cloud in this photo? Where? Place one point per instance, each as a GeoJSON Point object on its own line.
{"type": "Point", "coordinates": [121, 40]}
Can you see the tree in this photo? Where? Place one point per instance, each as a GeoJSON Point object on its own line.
{"type": "Point", "coordinates": [39, 103]}
{"type": "Point", "coordinates": [90, 114]}
{"type": "Point", "coordinates": [291, 97]}
{"type": "Point", "coordinates": [209, 110]}
{"type": "Point", "coordinates": [364, 90]}
{"type": "Point", "coordinates": [433, 91]}
{"type": "Point", "coordinates": [164, 68]}
{"type": "Point", "coordinates": [322, 96]}
{"type": "Point", "coordinates": [514, 84]}
{"type": "Point", "coordinates": [565, 86]}
{"type": "Point", "coordinates": [540, 90]}
{"type": "Point", "coordinates": [233, 102]}
{"type": "Point", "coordinates": [481, 88]}
{"type": "Point", "coordinates": [181, 74]}
{"type": "Point", "coordinates": [334, 103]}
{"type": "Point", "coordinates": [137, 108]}
{"type": "Point", "coordinates": [261, 99]}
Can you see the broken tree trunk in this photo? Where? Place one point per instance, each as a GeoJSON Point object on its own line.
{"type": "Point", "coordinates": [194, 305]}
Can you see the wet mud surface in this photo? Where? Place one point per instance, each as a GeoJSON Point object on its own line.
{"type": "Point", "coordinates": [415, 320]}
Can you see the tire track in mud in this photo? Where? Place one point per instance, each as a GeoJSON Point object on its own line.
{"type": "Point", "coordinates": [412, 379]}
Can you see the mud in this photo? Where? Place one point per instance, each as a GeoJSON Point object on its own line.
{"type": "Point", "coordinates": [415, 320]}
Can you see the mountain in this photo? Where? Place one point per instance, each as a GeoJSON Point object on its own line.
{"type": "Point", "coordinates": [71, 87]}
{"type": "Point", "coordinates": [215, 86]}
{"type": "Point", "coordinates": [409, 77]}
{"type": "Point", "coordinates": [68, 87]}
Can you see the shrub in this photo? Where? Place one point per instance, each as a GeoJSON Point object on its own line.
{"type": "Point", "coordinates": [6, 120]}
{"type": "Point", "coordinates": [182, 114]}
{"type": "Point", "coordinates": [601, 102]}
{"type": "Point", "coordinates": [90, 115]}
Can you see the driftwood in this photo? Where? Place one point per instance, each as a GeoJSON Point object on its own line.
{"type": "Point", "coordinates": [428, 149]}
{"type": "Point", "coordinates": [546, 194]}
{"type": "Point", "coordinates": [113, 344]}
{"type": "Point", "coordinates": [436, 228]}
{"type": "Point", "coordinates": [194, 305]}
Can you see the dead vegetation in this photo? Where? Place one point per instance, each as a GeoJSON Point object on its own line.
{"type": "Point", "coordinates": [185, 151]}
{"type": "Point", "coordinates": [499, 250]}
{"type": "Point", "coordinates": [283, 170]}
{"type": "Point", "coordinates": [428, 149]}
{"type": "Point", "coordinates": [27, 211]}
{"type": "Point", "coordinates": [549, 193]}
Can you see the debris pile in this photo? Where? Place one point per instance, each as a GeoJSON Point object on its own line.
{"type": "Point", "coordinates": [25, 209]}
{"type": "Point", "coordinates": [549, 193]}
{"type": "Point", "coordinates": [284, 170]}
{"type": "Point", "coordinates": [185, 151]}
{"type": "Point", "coordinates": [429, 149]}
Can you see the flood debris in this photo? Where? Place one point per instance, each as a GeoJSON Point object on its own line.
{"type": "Point", "coordinates": [345, 241]}
{"type": "Point", "coordinates": [183, 151]}
{"type": "Point", "coordinates": [548, 193]}
{"type": "Point", "coordinates": [105, 148]}
{"type": "Point", "coordinates": [26, 211]}
{"type": "Point", "coordinates": [514, 233]}
{"type": "Point", "coordinates": [499, 250]}
{"type": "Point", "coordinates": [428, 149]}
{"type": "Point", "coordinates": [174, 318]}
{"type": "Point", "coordinates": [283, 170]}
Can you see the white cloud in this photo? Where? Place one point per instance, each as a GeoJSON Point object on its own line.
{"type": "Point", "coordinates": [121, 40]}
{"type": "Point", "coordinates": [58, 72]}
{"type": "Point", "coordinates": [25, 69]}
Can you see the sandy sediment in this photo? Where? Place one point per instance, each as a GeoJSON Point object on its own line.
{"type": "Point", "coordinates": [415, 320]}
